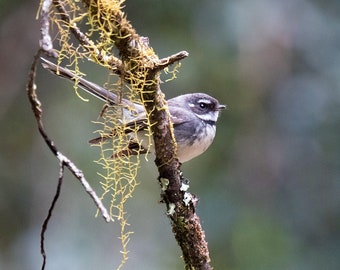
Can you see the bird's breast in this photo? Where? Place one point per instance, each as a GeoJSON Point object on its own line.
{"type": "Point", "coordinates": [197, 144]}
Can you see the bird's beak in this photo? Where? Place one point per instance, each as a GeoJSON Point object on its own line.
{"type": "Point", "coordinates": [221, 107]}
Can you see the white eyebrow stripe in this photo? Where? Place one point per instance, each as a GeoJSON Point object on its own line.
{"type": "Point", "coordinates": [203, 100]}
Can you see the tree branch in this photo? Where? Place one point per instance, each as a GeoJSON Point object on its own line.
{"type": "Point", "coordinates": [185, 223]}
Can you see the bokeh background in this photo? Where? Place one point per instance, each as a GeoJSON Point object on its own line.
{"type": "Point", "coordinates": [269, 186]}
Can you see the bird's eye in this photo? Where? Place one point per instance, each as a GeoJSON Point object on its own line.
{"type": "Point", "coordinates": [203, 105]}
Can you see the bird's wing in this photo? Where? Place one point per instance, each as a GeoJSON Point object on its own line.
{"type": "Point", "coordinates": [184, 128]}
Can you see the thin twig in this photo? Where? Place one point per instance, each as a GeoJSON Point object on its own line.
{"type": "Point", "coordinates": [49, 215]}
{"type": "Point", "coordinates": [45, 41]}
{"type": "Point", "coordinates": [36, 107]}
{"type": "Point", "coordinates": [114, 63]}
{"type": "Point", "coordinates": [168, 61]}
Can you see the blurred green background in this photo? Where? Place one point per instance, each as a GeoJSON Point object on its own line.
{"type": "Point", "coordinates": [269, 186]}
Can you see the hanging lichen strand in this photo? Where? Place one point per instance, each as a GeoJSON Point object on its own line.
{"type": "Point", "coordinates": [118, 173]}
